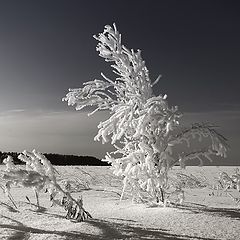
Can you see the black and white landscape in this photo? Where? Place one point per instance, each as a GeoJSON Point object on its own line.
{"type": "Point", "coordinates": [129, 114]}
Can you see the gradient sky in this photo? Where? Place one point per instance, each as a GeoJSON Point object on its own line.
{"type": "Point", "coordinates": [47, 47]}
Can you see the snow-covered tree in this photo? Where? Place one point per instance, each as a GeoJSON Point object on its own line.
{"type": "Point", "coordinates": [141, 126]}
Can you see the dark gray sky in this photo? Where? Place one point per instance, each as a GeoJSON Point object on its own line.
{"type": "Point", "coordinates": [47, 47]}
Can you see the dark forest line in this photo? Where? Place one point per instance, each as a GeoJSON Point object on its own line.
{"type": "Point", "coordinates": [59, 159]}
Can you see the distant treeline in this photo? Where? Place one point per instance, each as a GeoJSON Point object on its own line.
{"type": "Point", "coordinates": [59, 159]}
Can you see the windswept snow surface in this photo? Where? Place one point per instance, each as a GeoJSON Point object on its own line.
{"type": "Point", "coordinates": [202, 216]}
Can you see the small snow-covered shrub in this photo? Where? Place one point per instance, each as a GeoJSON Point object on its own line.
{"type": "Point", "coordinates": [142, 127]}
{"type": "Point", "coordinates": [226, 183]}
{"type": "Point", "coordinates": [230, 182]}
{"type": "Point", "coordinates": [188, 181]}
{"type": "Point", "coordinates": [74, 184]}
{"type": "Point", "coordinates": [39, 174]}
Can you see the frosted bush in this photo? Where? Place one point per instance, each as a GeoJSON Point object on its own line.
{"type": "Point", "coordinates": [229, 185]}
{"type": "Point", "coordinates": [141, 126]}
{"type": "Point", "coordinates": [39, 174]}
{"type": "Point", "coordinates": [182, 180]}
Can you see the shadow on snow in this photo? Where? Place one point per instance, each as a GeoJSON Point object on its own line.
{"type": "Point", "coordinates": [108, 230]}
{"type": "Point", "coordinates": [233, 213]}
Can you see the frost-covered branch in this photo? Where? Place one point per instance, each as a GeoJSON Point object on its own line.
{"type": "Point", "coordinates": [219, 142]}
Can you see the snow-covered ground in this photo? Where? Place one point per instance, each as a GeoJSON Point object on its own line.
{"type": "Point", "coordinates": [202, 216]}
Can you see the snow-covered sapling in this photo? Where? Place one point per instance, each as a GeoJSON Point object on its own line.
{"type": "Point", "coordinates": [39, 175]}
{"type": "Point", "coordinates": [228, 184]}
{"type": "Point", "coordinates": [141, 126]}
